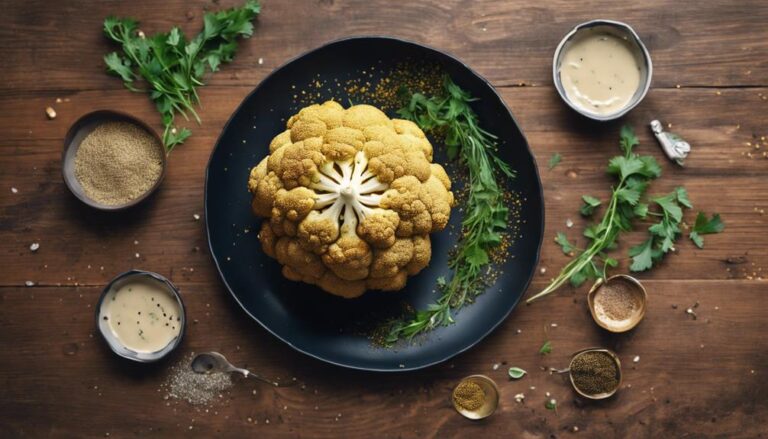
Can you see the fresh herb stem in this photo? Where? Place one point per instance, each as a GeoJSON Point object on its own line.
{"type": "Point", "coordinates": [486, 214]}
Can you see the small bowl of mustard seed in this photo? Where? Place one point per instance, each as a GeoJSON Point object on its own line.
{"type": "Point", "coordinates": [476, 397]}
{"type": "Point", "coordinates": [595, 373]}
{"type": "Point", "coordinates": [112, 161]}
{"type": "Point", "coordinates": [618, 303]}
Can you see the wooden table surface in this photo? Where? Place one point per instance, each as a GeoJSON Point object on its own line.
{"type": "Point", "coordinates": [694, 378]}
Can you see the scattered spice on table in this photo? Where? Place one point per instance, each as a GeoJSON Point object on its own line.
{"type": "Point", "coordinates": [594, 373]}
{"type": "Point", "coordinates": [469, 395]}
{"type": "Point", "coordinates": [118, 162]}
{"type": "Point", "coordinates": [195, 388]}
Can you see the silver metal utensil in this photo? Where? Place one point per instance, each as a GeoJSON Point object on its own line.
{"type": "Point", "coordinates": [210, 362]}
{"type": "Point", "coordinates": [673, 145]}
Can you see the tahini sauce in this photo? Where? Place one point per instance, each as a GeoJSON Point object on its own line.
{"type": "Point", "coordinates": [142, 315]}
{"type": "Point", "coordinates": [600, 73]}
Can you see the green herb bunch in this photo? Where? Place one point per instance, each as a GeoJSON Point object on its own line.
{"type": "Point", "coordinates": [173, 67]}
{"type": "Point", "coordinates": [633, 173]}
{"type": "Point", "coordinates": [486, 214]}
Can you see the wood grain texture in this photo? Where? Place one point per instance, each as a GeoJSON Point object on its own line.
{"type": "Point", "coordinates": [694, 378]}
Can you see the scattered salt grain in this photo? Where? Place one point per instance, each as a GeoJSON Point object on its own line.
{"type": "Point", "coordinates": [636, 359]}
{"type": "Point", "coordinates": [195, 388]}
{"type": "Point", "coordinates": [568, 223]}
{"type": "Point", "coordinates": [496, 366]}
{"type": "Point", "coordinates": [50, 112]}
{"type": "Point", "coordinates": [196, 217]}
{"type": "Point", "coordinates": [519, 397]}
{"type": "Point", "coordinates": [29, 283]}
{"type": "Point", "coordinates": [261, 61]}
{"type": "Point", "coordinates": [14, 190]}
{"type": "Point", "coordinates": [35, 246]}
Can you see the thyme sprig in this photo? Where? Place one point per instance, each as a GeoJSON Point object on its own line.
{"type": "Point", "coordinates": [486, 214]}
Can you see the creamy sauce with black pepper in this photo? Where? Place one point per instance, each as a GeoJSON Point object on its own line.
{"type": "Point", "coordinates": [600, 73]}
{"type": "Point", "coordinates": [142, 315]}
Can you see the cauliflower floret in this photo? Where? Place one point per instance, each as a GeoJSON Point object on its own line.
{"type": "Point", "coordinates": [351, 197]}
{"type": "Point", "coordinates": [306, 264]}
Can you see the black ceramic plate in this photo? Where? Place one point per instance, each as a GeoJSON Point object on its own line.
{"type": "Point", "coordinates": [316, 323]}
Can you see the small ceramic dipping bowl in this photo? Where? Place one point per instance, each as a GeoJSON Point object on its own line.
{"type": "Point", "coordinates": [78, 131]}
{"type": "Point", "coordinates": [157, 282]}
{"type": "Point", "coordinates": [491, 398]}
{"type": "Point", "coordinates": [603, 395]}
{"type": "Point", "coordinates": [627, 295]}
{"type": "Point", "coordinates": [617, 29]}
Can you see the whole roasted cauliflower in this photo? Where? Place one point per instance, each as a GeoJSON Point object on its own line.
{"type": "Point", "coordinates": [349, 198]}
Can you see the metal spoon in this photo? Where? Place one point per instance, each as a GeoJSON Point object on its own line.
{"type": "Point", "coordinates": [209, 362]}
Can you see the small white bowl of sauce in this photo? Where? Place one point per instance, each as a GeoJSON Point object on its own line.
{"type": "Point", "coordinates": [141, 316]}
{"type": "Point", "coordinates": [602, 69]}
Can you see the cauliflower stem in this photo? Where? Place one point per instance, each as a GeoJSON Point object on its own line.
{"type": "Point", "coordinates": [486, 214]}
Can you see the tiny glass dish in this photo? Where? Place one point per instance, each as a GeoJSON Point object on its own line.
{"type": "Point", "coordinates": [617, 29]}
{"type": "Point", "coordinates": [75, 136]}
{"type": "Point", "coordinates": [634, 293]}
{"type": "Point", "coordinates": [490, 402]}
{"type": "Point", "coordinates": [602, 395]}
{"type": "Point", "coordinates": [112, 339]}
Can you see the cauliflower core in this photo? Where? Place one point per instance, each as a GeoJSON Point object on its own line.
{"type": "Point", "coordinates": [349, 199]}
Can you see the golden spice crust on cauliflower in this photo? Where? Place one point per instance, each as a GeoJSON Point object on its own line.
{"type": "Point", "coordinates": [351, 197]}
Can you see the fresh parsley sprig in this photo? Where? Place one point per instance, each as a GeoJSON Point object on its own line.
{"type": "Point", "coordinates": [633, 174]}
{"type": "Point", "coordinates": [486, 214]}
{"type": "Point", "coordinates": [172, 67]}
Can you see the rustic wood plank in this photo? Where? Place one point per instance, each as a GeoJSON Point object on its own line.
{"type": "Point", "coordinates": [695, 378]}
{"type": "Point", "coordinates": [76, 241]}
{"type": "Point", "coordinates": [674, 388]}
{"type": "Point", "coordinates": [692, 43]}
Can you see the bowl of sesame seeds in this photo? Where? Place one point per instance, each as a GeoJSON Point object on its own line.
{"type": "Point", "coordinates": [112, 160]}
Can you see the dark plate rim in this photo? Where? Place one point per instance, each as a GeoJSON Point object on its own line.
{"type": "Point", "coordinates": [321, 358]}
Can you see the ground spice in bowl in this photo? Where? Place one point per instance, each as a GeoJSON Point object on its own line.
{"type": "Point", "coordinates": [118, 162]}
{"type": "Point", "coordinates": [595, 373]}
{"type": "Point", "coordinates": [618, 304]}
{"type": "Point", "coordinates": [469, 395]}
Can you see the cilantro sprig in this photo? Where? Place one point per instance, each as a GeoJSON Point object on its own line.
{"type": "Point", "coordinates": [171, 66]}
{"type": "Point", "coordinates": [486, 213]}
{"type": "Point", "coordinates": [633, 174]}
{"type": "Point", "coordinates": [704, 226]}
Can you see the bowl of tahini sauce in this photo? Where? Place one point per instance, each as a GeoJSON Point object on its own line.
{"type": "Point", "coordinates": [602, 69]}
{"type": "Point", "coordinates": [141, 316]}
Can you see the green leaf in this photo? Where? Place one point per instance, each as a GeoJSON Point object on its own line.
{"type": "Point", "coordinates": [697, 239]}
{"type": "Point", "coordinates": [627, 139]}
{"type": "Point", "coordinates": [704, 226]}
{"type": "Point", "coordinates": [669, 204]}
{"type": "Point", "coordinates": [516, 373]}
{"type": "Point", "coordinates": [546, 348]}
{"type": "Point", "coordinates": [624, 167]}
{"type": "Point", "coordinates": [565, 245]}
{"type": "Point", "coordinates": [651, 168]}
{"type": "Point", "coordinates": [682, 197]}
{"type": "Point", "coordinates": [119, 66]}
{"type": "Point", "coordinates": [550, 404]}
{"type": "Point", "coordinates": [589, 206]}
{"type": "Point", "coordinates": [641, 210]}
{"type": "Point", "coordinates": [641, 256]}
{"type": "Point", "coordinates": [554, 160]}
{"type": "Point", "coordinates": [628, 195]}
